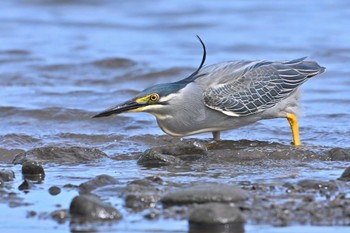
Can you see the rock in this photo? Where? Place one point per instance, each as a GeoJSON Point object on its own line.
{"type": "Point", "coordinates": [7, 175]}
{"type": "Point", "coordinates": [89, 208]}
{"type": "Point", "coordinates": [204, 193]}
{"type": "Point", "coordinates": [345, 176]}
{"type": "Point", "coordinates": [8, 156]}
{"type": "Point", "coordinates": [141, 194]}
{"type": "Point", "coordinates": [339, 154]}
{"type": "Point", "coordinates": [54, 190]}
{"type": "Point", "coordinates": [33, 170]}
{"type": "Point", "coordinates": [173, 154]}
{"type": "Point", "coordinates": [98, 181]}
{"type": "Point", "coordinates": [153, 214]}
{"type": "Point", "coordinates": [318, 185]}
{"type": "Point", "coordinates": [25, 186]}
{"type": "Point", "coordinates": [60, 216]}
{"type": "Point", "coordinates": [152, 158]}
{"type": "Point", "coordinates": [65, 154]}
{"type": "Point", "coordinates": [140, 201]}
{"type": "Point", "coordinates": [216, 213]}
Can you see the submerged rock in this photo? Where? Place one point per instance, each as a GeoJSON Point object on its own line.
{"type": "Point", "coordinates": [339, 154]}
{"type": "Point", "coordinates": [345, 176]}
{"type": "Point", "coordinates": [65, 154]}
{"type": "Point", "coordinates": [204, 193]}
{"type": "Point", "coordinates": [172, 154]}
{"type": "Point", "coordinates": [152, 158]}
{"type": "Point", "coordinates": [98, 181]}
{"type": "Point", "coordinates": [142, 194]}
{"type": "Point", "coordinates": [25, 186]}
{"type": "Point", "coordinates": [60, 216]}
{"type": "Point", "coordinates": [7, 175]}
{"type": "Point", "coordinates": [9, 156]}
{"type": "Point", "coordinates": [33, 171]}
{"type": "Point", "coordinates": [216, 213]}
{"type": "Point", "coordinates": [318, 185]}
{"type": "Point", "coordinates": [89, 208]}
{"type": "Point", "coordinates": [54, 190]}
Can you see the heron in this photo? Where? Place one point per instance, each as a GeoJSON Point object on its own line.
{"type": "Point", "coordinates": [225, 96]}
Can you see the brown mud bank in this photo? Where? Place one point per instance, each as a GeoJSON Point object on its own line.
{"type": "Point", "coordinates": [213, 186]}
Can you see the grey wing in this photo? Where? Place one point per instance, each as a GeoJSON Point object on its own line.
{"type": "Point", "coordinates": [260, 86]}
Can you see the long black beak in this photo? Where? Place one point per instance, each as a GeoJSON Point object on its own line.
{"type": "Point", "coordinates": [125, 107]}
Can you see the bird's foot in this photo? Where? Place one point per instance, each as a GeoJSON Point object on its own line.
{"type": "Point", "coordinates": [215, 141]}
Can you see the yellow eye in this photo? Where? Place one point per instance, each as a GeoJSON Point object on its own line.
{"type": "Point", "coordinates": [154, 97]}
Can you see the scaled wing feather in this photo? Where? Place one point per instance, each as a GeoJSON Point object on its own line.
{"type": "Point", "coordinates": [260, 86]}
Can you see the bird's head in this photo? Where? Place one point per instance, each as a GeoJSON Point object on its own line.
{"type": "Point", "coordinates": [153, 100]}
{"type": "Point", "coordinates": [157, 99]}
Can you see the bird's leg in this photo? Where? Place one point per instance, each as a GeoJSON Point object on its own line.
{"type": "Point", "coordinates": [293, 121]}
{"type": "Point", "coordinates": [216, 139]}
{"type": "Point", "coordinates": [216, 135]}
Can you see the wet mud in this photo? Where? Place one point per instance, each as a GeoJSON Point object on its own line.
{"type": "Point", "coordinates": [204, 204]}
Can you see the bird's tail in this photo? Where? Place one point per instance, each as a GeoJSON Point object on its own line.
{"type": "Point", "coordinates": [308, 68]}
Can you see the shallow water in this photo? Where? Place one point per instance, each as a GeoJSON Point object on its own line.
{"type": "Point", "coordinates": [61, 62]}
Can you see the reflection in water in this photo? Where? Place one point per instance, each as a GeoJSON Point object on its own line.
{"type": "Point", "coordinates": [216, 228]}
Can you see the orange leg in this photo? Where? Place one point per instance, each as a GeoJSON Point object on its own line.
{"type": "Point", "coordinates": [293, 121]}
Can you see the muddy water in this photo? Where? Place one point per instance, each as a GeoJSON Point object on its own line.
{"type": "Point", "coordinates": [63, 61]}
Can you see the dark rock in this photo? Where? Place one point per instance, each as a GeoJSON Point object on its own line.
{"type": "Point", "coordinates": [173, 154]}
{"type": "Point", "coordinates": [25, 186]}
{"type": "Point", "coordinates": [70, 186]}
{"type": "Point", "coordinates": [98, 181]}
{"type": "Point", "coordinates": [318, 185]}
{"type": "Point", "coordinates": [54, 190]}
{"type": "Point", "coordinates": [155, 179]}
{"type": "Point", "coordinates": [216, 213]}
{"type": "Point", "coordinates": [89, 208]}
{"type": "Point", "coordinates": [216, 228]}
{"type": "Point", "coordinates": [345, 176]}
{"type": "Point", "coordinates": [7, 175]}
{"type": "Point", "coordinates": [153, 214]}
{"type": "Point", "coordinates": [209, 192]}
{"type": "Point", "coordinates": [141, 201]}
{"type": "Point", "coordinates": [8, 156]}
{"type": "Point", "coordinates": [20, 158]}
{"type": "Point", "coordinates": [142, 182]}
{"type": "Point", "coordinates": [33, 170]}
{"type": "Point", "coordinates": [65, 154]}
{"type": "Point", "coordinates": [141, 194]}
{"type": "Point", "coordinates": [60, 216]}
{"type": "Point", "coordinates": [184, 148]}
{"type": "Point", "coordinates": [339, 154]}
{"type": "Point", "coordinates": [31, 214]}
{"type": "Point", "coordinates": [152, 158]}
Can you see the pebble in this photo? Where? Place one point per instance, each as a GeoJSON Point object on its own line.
{"type": "Point", "coordinates": [54, 190]}
{"type": "Point", "coordinates": [33, 170]}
